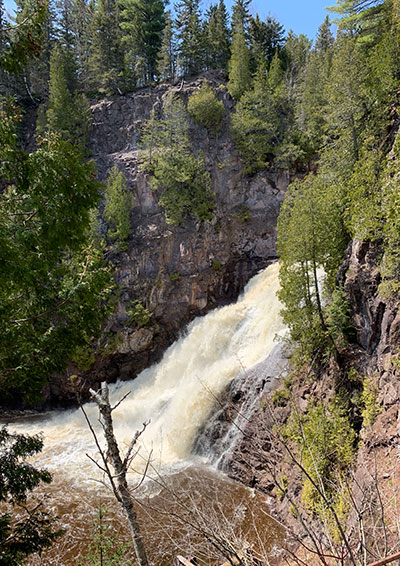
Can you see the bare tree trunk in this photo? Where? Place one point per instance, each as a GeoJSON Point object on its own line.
{"type": "Point", "coordinates": [118, 480]}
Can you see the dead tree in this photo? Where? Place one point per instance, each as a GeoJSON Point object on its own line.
{"type": "Point", "coordinates": [117, 476]}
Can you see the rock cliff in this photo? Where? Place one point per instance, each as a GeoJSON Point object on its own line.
{"type": "Point", "coordinates": [177, 271]}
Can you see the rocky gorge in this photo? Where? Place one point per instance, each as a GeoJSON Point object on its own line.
{"type": "Point", "coordinates": [180, 271]}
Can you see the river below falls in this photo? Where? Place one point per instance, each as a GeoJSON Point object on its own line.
{"type": "Point", "coordinates": [184, 500]}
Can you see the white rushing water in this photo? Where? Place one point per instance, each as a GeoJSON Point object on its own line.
{"type": "Point", "coordinates": [177, 394]}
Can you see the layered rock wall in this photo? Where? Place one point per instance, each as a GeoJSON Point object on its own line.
{"type": "Point", "coordinates": [178, 271]}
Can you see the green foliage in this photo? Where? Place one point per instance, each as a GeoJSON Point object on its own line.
{"type": "Point", "coordinates": [369, 400]}
{"type": "Point", "coordinates": [52, 282]}
{"type": "Point", "coordinates": [118, 207]}
{"type": "Point", "coordinates": [311, 241]}
{"type": "Point", "coordinates": [206, 109]}
{"type": "Point", "coordinates": [239, 65]}
{"type": "Point", "coordinates": [139, 314]}
{"type": "Point", "coordinates": [217, 36]}
{"type": "Point", "coordinates": [216, 265]}
{"type": "Point", "coordinates": [191, 37]}
{"type": "Point", "coordinates": [338, 316]}
{"type": "Point", "coordinates": [105, 547]}
{"type": "Point", "coordinates": [256, 127]}
{"type": "Point", "coordinates": [180, 177]}
{"type": "Point", "coordinates": [68, 113]}
{"type": "Point", "coordinates": [34, 529]}
{"type": "Point", "coordinates": [325, 442]}
{"type": "Point", "coordinates": [142, 22]}
{"type": "Point", "coordinates": [174, 276]}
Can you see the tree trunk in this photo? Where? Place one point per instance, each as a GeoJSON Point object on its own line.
{"type": "Point", "coordinates": [119, 482]}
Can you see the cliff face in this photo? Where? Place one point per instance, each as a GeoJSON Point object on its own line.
{"type": "Point", "coordinates": [178, 271]}
{"type": "Point", "coordinates": [374, 353]}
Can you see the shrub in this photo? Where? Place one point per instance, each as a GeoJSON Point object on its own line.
{"type": "Point", "coordinates": [206, 109]}
{"type": "Point", "coordinates": [369, 399]}
{"type": "Point", "coordinates": [118, 206]}
{"type": "Point", "coordinates": [139, 314]}
{"type": "Point", "coordinates": [325, 442]}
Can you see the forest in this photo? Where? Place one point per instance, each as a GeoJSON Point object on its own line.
{"type": "Point", "coordinates": [326, 111]}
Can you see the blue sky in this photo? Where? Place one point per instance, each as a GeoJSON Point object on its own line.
{"type": "Point", "coordinates": [301, 17]}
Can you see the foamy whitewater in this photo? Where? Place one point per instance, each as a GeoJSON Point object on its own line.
{"type": "Point", "coordinates": [177, 395]}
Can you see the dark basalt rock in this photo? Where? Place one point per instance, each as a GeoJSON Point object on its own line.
{"type": "Point", "coordinates": [177, 272]}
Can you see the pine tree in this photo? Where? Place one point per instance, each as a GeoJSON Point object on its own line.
{"type": "Point", "coordinates": [324, 41]}
{"type": "Point", "coordinates": [217, 36]}
{"type": "Point", "coordinates": [68, 112]}
{"type": "Point", "coordinates": [4, 41]}
{"type": "Point", "coordinates": [256, 125]}
{"type": "Point", "coordinates": [106, 63]}
{"type": "Point", "coordinates": [266, 38]}
{"type": "Point", "coordinates": [35, 73]}
{"type": "Point", "coordinates": [190, 37]}
{"type": "Point", "coordinates": [179, 177]}
{"type": "Point", "coordinates": [34, 530]}
{"type": "Point", "coordinates": [239, 65]}
{"type": "Point", "coordinates": [241, 16]}
{"type": "Point", "coordinates": [82, 30]}
{"type": "Point", "coordinates": [142, 22]}
{"type": "Point", "coordinates": [166, 63]}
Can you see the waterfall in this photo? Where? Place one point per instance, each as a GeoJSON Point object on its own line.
{"type": "Point", "coordinates": [176, 396]}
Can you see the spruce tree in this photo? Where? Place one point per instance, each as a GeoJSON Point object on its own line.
{"type": "Point", "coordinates": [68, 112]}
{"type": "Point", "coordinates": [190, 37]}
{"type": "Point", "coordinates": [106, 63]}
{"type": "Point", "coordinates": [166, 62]}
{"type": "Point", "coordinates": [82, 29]}
{"type": "Point", "coordinates": [142, 22]}
{"type": "Point", "coordinates": [241, 16]}
{"type": "Point", "coordinates": [239, 65]}
{"type": "Point", "coordinates": [266, 38]}
{"type": "Point", "coordinates": [324, 41]}
{"type": "Point", "coordinates": [4, 41]}
{"type": "Point", "coordinates": [217, 36]}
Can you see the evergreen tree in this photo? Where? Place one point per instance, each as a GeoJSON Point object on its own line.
{"type": "Point", "coordinates": [34, 529]}
{"type": "Point", "coordinates": [256, 125]}
{"type": "Point", "coordinates": [218, 37]}
{"type": "Point", "coordinates": [179, 177]}
{"type": "Point", "coordinates": [51, 281]}
{"type": "Point", "coordinates": [166, 64]}
{"type": "Point", "coordinates": [34, 75]}
{"type": "Point", "coordinates": [106, 63]}
{"type": "Point", "coordinates": [68, 113]}
{"type": "Point", "coordinates": [241, 16]}
{"type": "Point", "coordinates": [118, 207]}
{"type": "Point", "coordinates": [143, 22]}
{"type": "Point", "coordinates": [190, 37]}
{"type": "Point", "coordinates": [239, 65]}
{"type": "Point", "coordinates": [346, 101]}
{"type": "Point", "coordinates": [82, 30]}
{"type": "Point", "coordinates": [312, 106]}
{"type": "Point", "coordinates": [310, 237]}
{"type": "Point", "coordinates": [325, 40]}
{"type": "Point", "coordinates": [265, 38]}
{"type": "Point", "coordinates": [4, 42]}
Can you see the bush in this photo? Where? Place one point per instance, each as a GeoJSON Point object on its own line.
{"type": "Point", "coordinates": [206, 109]}
{"type": "Point", "coordinates": [118, 206]}
{"type": "Point", "coordinates": [369, 399]}
{"type": "Point", "coordinates": [139, 314]}
{"type": "Point", "coordinates": [325, 442]}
